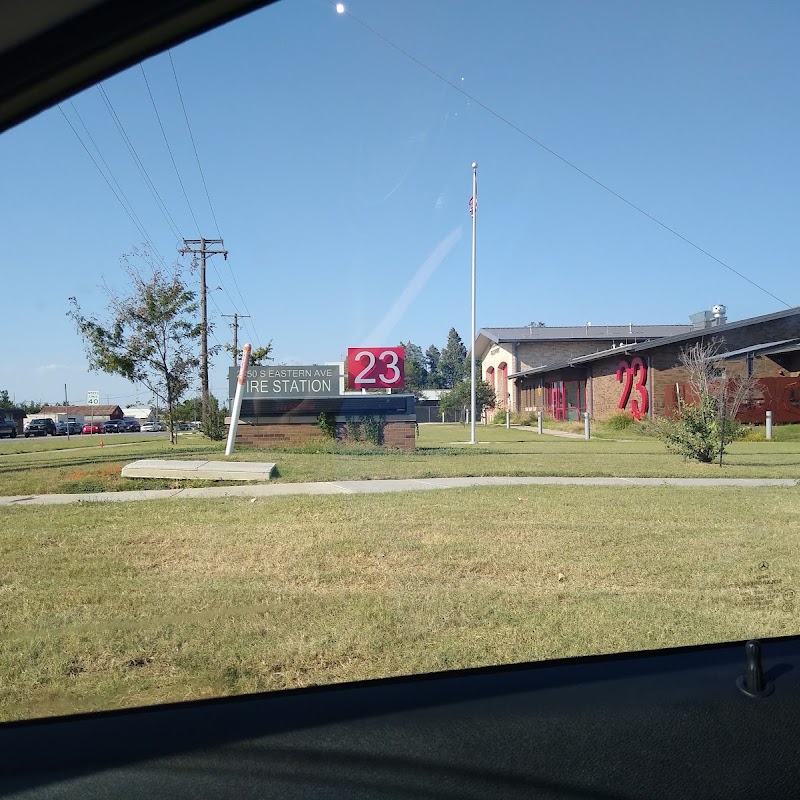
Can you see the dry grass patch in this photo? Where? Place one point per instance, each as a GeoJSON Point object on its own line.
{"type": "Point", "coordinates": [107, 605]}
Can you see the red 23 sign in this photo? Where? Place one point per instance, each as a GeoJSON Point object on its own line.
{"type": "Point", "coordinates": [634, 376]}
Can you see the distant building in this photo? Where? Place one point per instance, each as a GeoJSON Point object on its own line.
{"type": "Point", "coordinates": [141, 413]}
{"type": "Point", "coordinates": [80, 414]}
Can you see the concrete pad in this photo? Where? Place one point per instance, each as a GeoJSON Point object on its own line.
{"type": "Point", "coordinates": [200, 470]}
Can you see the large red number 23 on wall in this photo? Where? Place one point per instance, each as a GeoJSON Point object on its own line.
{"type": "Point", "coordinates": [634, 375]}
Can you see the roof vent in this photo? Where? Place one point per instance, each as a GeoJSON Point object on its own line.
{"type": "Point", "coordinates": [709, 319]}
{"type": "Point", "coordinates": [719, 314]}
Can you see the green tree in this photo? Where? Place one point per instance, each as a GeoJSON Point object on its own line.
{"type": "Point", "coordinates": [30, 406]}
{"type": "Point", "coordinates": [189, 410]}
{"type": "Point", "coordinates": [432, 359]}
{"type": "Point", "coordinates": [415, 372]}
{"type": "Point", "coordinates": [258, 355]}
{"type": "Point", "coordinates": [453, 360]}
{"type": "Point", "coordinates": [459, 398]}
{"type": "Point", "coordinates": [150, 335]}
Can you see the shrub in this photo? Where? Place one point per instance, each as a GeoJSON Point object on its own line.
{"type": "Point", "coordinates": [373, 429]}
{"type": "Point", "coordinates": [699, 432]}
{"type": "Point", "coordinates": [327, 424]}
{"type": "Point", "coordinates": [353, 427]}
{"type": "Point", "coordinates": [620, 422]}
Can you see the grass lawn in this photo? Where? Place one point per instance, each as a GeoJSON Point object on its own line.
{"type": "Point", "coordinates": [442, 451]}
{"type": "Point", "coordinates": [111, 605]}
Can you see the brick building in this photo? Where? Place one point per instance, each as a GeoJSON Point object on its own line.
{"type": "Point", "coordinates": [80, 414]}
{"type": "Point", "coordinates": [646, 378]}
{"type": "Point", "coordinates": [507, 354]}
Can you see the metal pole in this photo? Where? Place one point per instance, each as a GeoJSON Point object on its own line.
{"type": "Point", "coordinates": [235, 340]}
{"type": "Point", "coordinates": [472, 348]}
{"type": "Point", "coordinates": [508, 412]}
{"type": "Point", "coordinates": [66, 409]}
{"type": "Point", "coordinates": [586, 432]}
{"type": "Point", "coordinates": [539, 421]}
{"type": "Point", "coordinates": [769, 425]}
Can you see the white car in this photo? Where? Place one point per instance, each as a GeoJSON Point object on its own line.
{"type": "Point", "coordinates": [152, 427]}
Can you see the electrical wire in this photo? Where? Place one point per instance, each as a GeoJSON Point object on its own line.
{"type": "Point", "coordinates": [138, 162]}
{"type": "Point", "coordinates": [131, 214]}
{"type": "Point", "coordinates": [169, 149]}
{"type": "Point", "coordinates": [558, 156]}
{"type": "Point", "coordinates": [210, 204]}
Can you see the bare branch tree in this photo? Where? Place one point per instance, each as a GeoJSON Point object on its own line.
{"type": "Point", "coordinates": [706, 421]}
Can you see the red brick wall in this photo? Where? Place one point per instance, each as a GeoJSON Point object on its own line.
{"type": "Point", "coordinates": [400, 434]}
{"type": "Point", "coordinates": [664, 372]}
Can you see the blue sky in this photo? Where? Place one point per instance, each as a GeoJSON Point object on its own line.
{"type": "Point", "coordinates": [339, 171]}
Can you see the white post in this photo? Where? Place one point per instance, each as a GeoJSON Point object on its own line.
{"type": "Point", "coordinates": [539, 421]}
{"type": "Point", "coordinates": [508, 412]}
{"type": "Point", "coordinates": [586, 431]}
{"type": "Point", "coordinates": [472, 348]}
{"type": "Point", "coordinates": [237, 401]}
{"type": "Point", "coordinates": [769, 424]}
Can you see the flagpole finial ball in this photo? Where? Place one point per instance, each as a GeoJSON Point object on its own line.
{"type": "Point", "coordinates": [474, 165]}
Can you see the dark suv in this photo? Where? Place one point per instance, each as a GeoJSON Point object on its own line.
{"type": "Point", "coordinates": [7, 427]}
{"type": "Point", "coordinates": [40, 426]}
{"type": "Point", "coordinates": [131, 425]}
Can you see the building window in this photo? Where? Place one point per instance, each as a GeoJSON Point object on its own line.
{"type": "Point", "coordinates": [502, 385]}
{"type": "Point", "coordinates": [566, 400]}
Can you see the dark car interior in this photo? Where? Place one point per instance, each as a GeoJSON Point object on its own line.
{"type": "Point", "coordinates": [706, 721]}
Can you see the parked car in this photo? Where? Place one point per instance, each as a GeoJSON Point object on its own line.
{"type": "Point", "coordinates": [75, 428]}
{"type": "Point", "coordinates": [185, 426]}
{"type": "Point", "coordinates": [114, 426]}
{"type": "Point", "coordinates": [61, 428]}
{"type": "Point", "coordinates": [131, 425]}
{"type": "Point", "coordinates": [93, 427]}
{"type": "Point", "coordinates": [40, 426]}
{"type": "Point", "coordinates": [8, 427]}
{"type": "Point", "coordinates": [152, 427]}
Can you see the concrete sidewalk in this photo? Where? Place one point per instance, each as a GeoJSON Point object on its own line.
{"type": "Point", "coordinates": [550, 432]}
{"type": "Point", "coordinates": [378, 487]}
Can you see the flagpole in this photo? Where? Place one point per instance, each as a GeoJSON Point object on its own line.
{"type": "Point", "coordinates": [472, 347]}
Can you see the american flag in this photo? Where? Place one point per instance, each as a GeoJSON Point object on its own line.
{"type": "Point", "coordinates": [473, 204]}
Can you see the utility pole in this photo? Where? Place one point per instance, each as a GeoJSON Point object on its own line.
{"type": "Point", "coordinates": [200, 247]}
{"type": "Point", "coordinates": [235, 326]}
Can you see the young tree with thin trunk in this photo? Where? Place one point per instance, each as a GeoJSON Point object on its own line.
{"type": "Point", "coordinates": [150, 335]}
{"type": "Point", "coordinates": [706, 421]}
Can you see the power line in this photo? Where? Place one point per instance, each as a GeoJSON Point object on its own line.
{"type": "Point", "coordinates": [138, 162]}
{"type": "Point", "coordinates": [561, 158]}
{"type": "Point", "coordinates": [108, 168]}
{"type": "Point", "coordinates": [169, 149]}
{"type": "Point", "coordinates": [130, 213]}
{"type": "Point", "coordinates": [194, 146]}
{"type": "Point", "coordinates": [208, 197]}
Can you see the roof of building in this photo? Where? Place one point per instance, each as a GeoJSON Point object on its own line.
{"type": "Point", "coordinates": [561, 333]}
{"type": "Point", "coordinates": [140, 412]}
{"type": "Point", "coordinates": [694, 333]}
{"type": "Point", "coordinates": [86, 411]}
{"type": "Point", "coordinates": [551, 333]}
{"type": "Point", "coordinates": [767, 349]}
